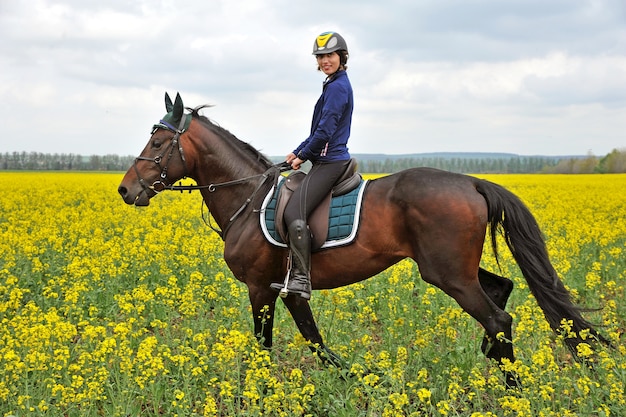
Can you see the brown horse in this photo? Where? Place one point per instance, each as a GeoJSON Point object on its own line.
{"type": "Point", "coordinates": [437, 218]}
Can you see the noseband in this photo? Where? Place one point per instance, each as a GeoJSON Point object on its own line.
{"type": "Point", "coordinates": [159, 185]}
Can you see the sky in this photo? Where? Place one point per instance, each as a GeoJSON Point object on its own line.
{"type": "Point", "coordinates": [530, 77]}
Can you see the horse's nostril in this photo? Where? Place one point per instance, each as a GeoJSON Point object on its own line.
{"type": "Point", "coordinates": [122, 190]}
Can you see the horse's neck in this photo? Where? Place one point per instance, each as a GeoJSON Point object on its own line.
{"type": "Point", "coordinates": [223, 166]}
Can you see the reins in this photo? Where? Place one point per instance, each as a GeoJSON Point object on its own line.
{"type": "Point", "coordinates": [159, 185]}
{"type": "Point", "coordinates": [272, 172]}
{"type": "Point", "coordinates": [281, 167]}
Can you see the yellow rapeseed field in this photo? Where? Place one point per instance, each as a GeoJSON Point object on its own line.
{"type": "Point", "coordinates": [112, 310]}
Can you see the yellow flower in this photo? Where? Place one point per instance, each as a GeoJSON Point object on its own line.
{"type": "Point", "coordinates": [584, 350]}
{"type": "Point", "coordinates": [371, 380]}
{"type": "Point", "coordinates": [424, 395]}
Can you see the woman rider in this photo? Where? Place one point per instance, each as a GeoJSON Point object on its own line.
{"type": "Point", "coordinates": [326, 148]}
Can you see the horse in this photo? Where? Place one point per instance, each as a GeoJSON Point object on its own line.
{"type": "Point", "coordinates": [437, 218]}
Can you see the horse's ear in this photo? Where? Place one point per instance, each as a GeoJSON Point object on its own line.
{"type": "Point", "coordinates": [168, 103]}
{"type": "Point", "coordinates": [178, 108]}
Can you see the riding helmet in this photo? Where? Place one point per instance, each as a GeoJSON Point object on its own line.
{"type": "Point", "coordinates": [329, 42]}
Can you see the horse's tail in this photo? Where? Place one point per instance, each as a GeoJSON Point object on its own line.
{"type": "Point", "coordinates": [508, 215]}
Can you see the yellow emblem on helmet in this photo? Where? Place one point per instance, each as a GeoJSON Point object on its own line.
{"type": "Point", "coordinates": [323, 38]}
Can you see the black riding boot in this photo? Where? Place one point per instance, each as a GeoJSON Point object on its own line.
{"type": "Point", "coordinates": [299, 281]}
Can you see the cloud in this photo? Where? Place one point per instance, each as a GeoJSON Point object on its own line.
{"type": "Point", "coordinates": [481, 75]}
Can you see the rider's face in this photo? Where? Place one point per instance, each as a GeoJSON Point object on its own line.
{"type": "Point", "coordinates": [328, 63]}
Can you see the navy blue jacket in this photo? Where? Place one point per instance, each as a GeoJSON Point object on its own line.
{"type": "Point", "coordinates": [330, 127]}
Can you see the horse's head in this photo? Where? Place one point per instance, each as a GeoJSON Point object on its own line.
{"type": "Point", "coordinates": [162, 162]}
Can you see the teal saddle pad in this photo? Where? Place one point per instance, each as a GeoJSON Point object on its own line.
{"type": "Point", "coordinates": [343, 219]}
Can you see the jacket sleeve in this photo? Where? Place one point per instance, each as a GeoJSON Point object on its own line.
{"type": "Point", "coordinates": [300, 147]}
{"type": "Point", "coordinates": [335, 100]}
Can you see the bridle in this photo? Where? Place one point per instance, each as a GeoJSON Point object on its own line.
{"type": "Point", "coordinates": [159, 185]}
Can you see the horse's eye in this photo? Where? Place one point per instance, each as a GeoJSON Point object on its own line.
{"type": "Point", "coordinates": [156, 143]}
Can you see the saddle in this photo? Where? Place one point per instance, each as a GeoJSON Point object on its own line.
{"type": "Point", "coordinates": [318, 220]}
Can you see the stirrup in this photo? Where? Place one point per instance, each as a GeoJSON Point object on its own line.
{"type": "Point", "coordinates": [283, 292]}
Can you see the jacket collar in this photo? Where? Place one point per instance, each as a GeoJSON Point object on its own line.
{"type": "Point", "coordinates": [332, 77]}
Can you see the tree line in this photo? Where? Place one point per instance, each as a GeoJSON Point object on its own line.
{"type": "Point", "coordinates": [517, 165]}
{"type": "Point", "coordinates": [36, 161]}
{"type": "Point", "coordinates": [614, 162]}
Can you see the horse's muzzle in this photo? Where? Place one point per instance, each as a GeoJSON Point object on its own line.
{"type": "Point", "coordinates": [139, 199]}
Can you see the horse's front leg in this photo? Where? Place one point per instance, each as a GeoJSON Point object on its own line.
{"type": "Point", "coordinates": [263, 304]}
{"type": "Point", "coordinates": [302, 315]}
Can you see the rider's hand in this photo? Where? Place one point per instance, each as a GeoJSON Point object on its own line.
{"type": "Point", "coordinates": [294, 161]}
{"type": "Point", "coordinates": [289, 158]}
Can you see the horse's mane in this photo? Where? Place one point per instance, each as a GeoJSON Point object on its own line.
{"type": "Point", "coordinates": [225, 134]}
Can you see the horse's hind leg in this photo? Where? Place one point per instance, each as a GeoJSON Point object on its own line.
{"type": "Point", "coordinates": [498, 289]}
{"type": "Point", "coordinates": [302, 315]}
{"type": "Point", "coordinates": [457, 276]}
{"type": "Point", "coordinates": [496, 322]}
